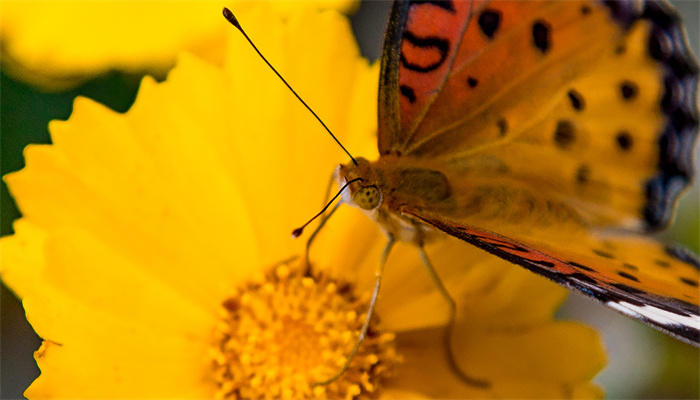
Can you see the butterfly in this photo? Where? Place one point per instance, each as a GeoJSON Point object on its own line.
{"type": "Point", "coordinates": [556, 135]}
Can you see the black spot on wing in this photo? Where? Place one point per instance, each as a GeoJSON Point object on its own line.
{"type": "Point", "coordinates": [628, 276]}
{"type": "Point", "coordinates": [583, 174]}
{"type": "Point", "coordinates": [502, 126]}
{"type": "Point", "coordinates": [564, 134]}
{"type": "Point", "coordinates": [581, 266]}
{"type": "Point", "coordinates": [603, 254]}
{"type": "Point", "coordinates": [690, 282]}
{"type": "Point", "coordinates": [541, 35]}
{"type": "Point", "coordinates": [576, 99]}
{"type": "Point", "coordinates": [408, 93]}
{"type": "Point", "coordinates": [630, 267]}
{"type": "Point", "coordinates": [624, 140]}
{"type": "Point", "coordinates": [472, 82]}
{"type": "Point", "coordinates": [629, 90]}
{"type": "Point", "coordinates": [490, 22]}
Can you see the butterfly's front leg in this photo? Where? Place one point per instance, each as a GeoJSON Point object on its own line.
{"type": "Point", "coordinates": [320, 226]}
{"type": "Point", "coordinates": [370, 312]}
{"type": "Point", "coordinates": [449, 328]}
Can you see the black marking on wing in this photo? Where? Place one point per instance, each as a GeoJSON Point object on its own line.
{"type": "Point", "coordinates": [628, 276]}
{"type": "Point", "coordinates": [624, 140]}
{"type": "Point", "coordinates": [583, 174]}
{"type": "Point", "coordinates": [629, 90]}
{"type": "Point", "coordinates": [564, 134]}
{"type": "Point", "coordinates": [667, 44]}
{"type": "Point", "coordinates": [630, 267]}
{"type": "Point", "coordinates": [580, 266]}
{"type": "Point", "coordinates": [489, 22]}
{"type": "Point", "coordinates": [446, 5]}
{"type": "Point", "coordinates": [501, 244]}
{"type": "Point", "coordinates": [408, 93]}
{"type": "Point", "coordinates": [502, 126]}
{"type": "Point", "coordinates": [441, 45]}
{"type": "Point", "coordinates": [541, 36]}
{"type": "Point", "coordinates": [577, 101]}
{"type": "Point", "coordinates": [690, 282]}
{"type": "Point", "coordinates": [604, 254]}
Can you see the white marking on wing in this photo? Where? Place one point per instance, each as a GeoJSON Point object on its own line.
{"type": "Point", "coordinates": [656, 314]}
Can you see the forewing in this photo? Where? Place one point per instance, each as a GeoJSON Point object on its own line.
{"type": "Point", "coordinates": [420, 46]}
{"type": "Point", "coordinates": [591, 102]}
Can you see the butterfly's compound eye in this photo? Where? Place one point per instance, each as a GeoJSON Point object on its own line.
{"type": "Point", "coordinates": [367, 198]}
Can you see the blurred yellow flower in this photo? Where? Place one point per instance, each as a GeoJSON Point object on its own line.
{"type": "Point", "coordinates": [57, 45]}
{"type": "Point", "coordinates": [154, 254]}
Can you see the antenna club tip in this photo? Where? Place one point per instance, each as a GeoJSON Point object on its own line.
{"type": "Point", "coordinates": [297, 232]}
{"type": "Point", "coordinates": [230, 17]}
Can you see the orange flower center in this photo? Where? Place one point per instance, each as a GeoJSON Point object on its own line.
{"type": "Point", "coordinates": [280, 336]}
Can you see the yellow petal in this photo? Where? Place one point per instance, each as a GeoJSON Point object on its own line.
{"type": "Point", "coordinates": [94, 367]}
{"type": "Point", "coordinates": [562, 353]}
{"type": "Point", "coordinates": [524, 367]}
{"type": "Point", "coordinates": [284, 157]}
{"type": "Point", "coordinates": [59, 44]}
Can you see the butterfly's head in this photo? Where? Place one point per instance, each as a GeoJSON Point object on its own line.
{"type": "Point", "coordinates": [363, 192]}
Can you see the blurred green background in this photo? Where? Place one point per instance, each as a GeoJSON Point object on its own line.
{"type": "Point", "coordinates": [642, 362]}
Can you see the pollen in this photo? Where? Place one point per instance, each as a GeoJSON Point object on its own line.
{"type": "Point", "coordinates": [280, 335]}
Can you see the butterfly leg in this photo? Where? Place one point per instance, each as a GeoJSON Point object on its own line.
{"type": "Point", "coordinates": [447, 333]}
{"type": "Point", "coordinates": [370, 311]}
{"type": "Point", "coordinates": [320, 226]}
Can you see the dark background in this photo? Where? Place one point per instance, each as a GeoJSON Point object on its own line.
{"type": "Point", "coordinates": [643, 363]}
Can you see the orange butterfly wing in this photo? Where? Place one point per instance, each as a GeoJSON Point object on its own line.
{"type": "Point", "coordinates": [636, 276]}
{"type": "Point", "coordinates": [507, 100]}
{"type": "Point", "coordinates": [565, 122]}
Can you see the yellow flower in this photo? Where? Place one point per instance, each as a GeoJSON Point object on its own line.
{"type": "Point", "coordinates": [57, 45]}
{"type": "Point", "coordinates": [154, 254]}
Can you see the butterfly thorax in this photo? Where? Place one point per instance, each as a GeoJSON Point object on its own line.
{"type": "Point", "coordinates": [392, 187]}
{"type": "Point", "coordinates": [389, 185]}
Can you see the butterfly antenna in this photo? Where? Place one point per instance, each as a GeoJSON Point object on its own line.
{"type": "Point", "coordinates": [232, 19]}
{"type": "Point", "coordinates": [297, 232]}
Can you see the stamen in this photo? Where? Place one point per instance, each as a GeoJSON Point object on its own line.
{"type": "Point", "coordinates": [279, 336]}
